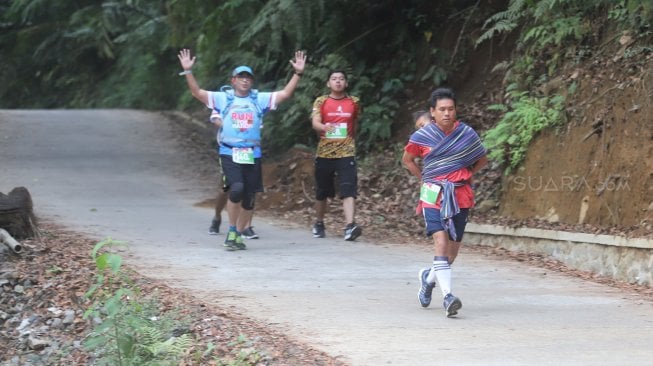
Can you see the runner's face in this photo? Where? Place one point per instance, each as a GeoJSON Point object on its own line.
{"type": "Point", "coordinates": [337, 82]}
{"type": "Point", "coordinates": [444, 113]}
{"type": "Point", "coordinates": [242, 83]}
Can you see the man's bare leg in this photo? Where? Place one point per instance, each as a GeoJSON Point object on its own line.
{"type": "Point", "coordinates": [220, 203]}
{"type": "Point", "coordinates": [348, 205]}
{"type": "Point", "coordinates": [352, 231]}
{"type": "Point", "coordinates": [233, 211]}
{"type": "Point", "coordinates": [248, 230]}
{"type": "Point", "coordinates": [320, 211]}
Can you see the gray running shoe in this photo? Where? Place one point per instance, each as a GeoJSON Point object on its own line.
{"type": "Point", "coordinates": [214, 229]}
{"type": "Point", "coordinates": [318, 230]}
{"type": "Point", "coordinates": [425, 289]}
{"type": "Point", "coordinates": [451, 305]}
{"type": "Point", "coordinates": [249, 233]}
{"type": "Point", "coordinates": [352, 231]}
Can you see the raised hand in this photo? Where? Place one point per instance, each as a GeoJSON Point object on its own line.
{"type": "Point", "coordinates": [186, 61]}
{"type": "Point", "coordinates": [299, 61]}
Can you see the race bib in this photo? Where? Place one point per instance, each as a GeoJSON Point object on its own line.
{"type": "Point", "coordinates": [339, 132]}
{"type": "Point", "coordinates": [429, 193]}
{"type": "Point", "coordinates": [242, 155]}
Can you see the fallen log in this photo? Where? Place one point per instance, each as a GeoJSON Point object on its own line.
{"type": "Point", "coordinates": [9, 241]}
{"type": "Point", "coordinates": [16, 214]}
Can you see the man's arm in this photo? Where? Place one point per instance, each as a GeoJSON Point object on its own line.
{"type": "Point", "coordinates": [298, 64]}
{"type": "Point", "coordinates": [408, 160]}
{"type": "Point", "coordinates": [357, 114]}
{"type": "Point", "coordinates": [187, 63]}
{"type": "Point", "coordinates": [318, 126]}
{"type": "Point", "coordinates": [479, 164]}
{"type": "Point", "coordinates": [316, 117]}
{"type": "Point", "coordinates": [216, 119]}
{"type": "Point", "coordinates": [317, 123]}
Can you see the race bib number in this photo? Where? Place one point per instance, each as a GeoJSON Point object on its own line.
{"type": "Point", "coordinates": [429, 193]}
{"type": "Point", "coordinates": [339, 132]}
{"type": "Point", "coordinates": [242, 155]}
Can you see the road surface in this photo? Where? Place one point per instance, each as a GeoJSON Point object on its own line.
{"type": "Point", "coordinates": [119, 173]}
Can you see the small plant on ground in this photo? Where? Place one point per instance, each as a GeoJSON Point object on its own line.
{"type": "Point", "coordinates": [244, 355]}
{"type": "Point", "coordinates": [130, 329]}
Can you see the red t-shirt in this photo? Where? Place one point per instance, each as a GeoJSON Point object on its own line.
{"type": "Point", "coordinates": [464, 194]}
{"type": "Point", "coordinates": [342, 111]}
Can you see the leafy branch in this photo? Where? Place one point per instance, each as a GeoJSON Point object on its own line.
{"type": "Point", "coordinates": [523, 119]}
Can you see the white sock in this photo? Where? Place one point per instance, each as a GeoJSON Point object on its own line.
{"type": "Point", "coordinates": [441, 271]}
{"type": "Point", "coordinates": [431, 277]}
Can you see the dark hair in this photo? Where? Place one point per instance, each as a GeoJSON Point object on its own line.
{"type": "Point", "coordinates": [441, 93]}
{"type": "Point", "coordinates": [336, 71]}
{"type": "Point", "coordinates": [421, 113]}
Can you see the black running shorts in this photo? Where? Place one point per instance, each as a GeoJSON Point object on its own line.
{"type": "Point", "coordinates": [249, 174]}
{"type": "Point", "coordinates": [223, 179]}
{"type": "Point", "coordinates": [326, 172]}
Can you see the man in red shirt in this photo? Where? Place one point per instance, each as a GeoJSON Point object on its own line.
{"type": "Point", "coordinates": [334, 117]}
{"type": "Point", "coordinates": [452, 152]}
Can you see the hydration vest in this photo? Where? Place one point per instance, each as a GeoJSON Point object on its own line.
{"type": "Point", "coordinates": [240, 122]}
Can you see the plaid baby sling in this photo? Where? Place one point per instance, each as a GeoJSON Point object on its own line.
{"type": "Point", "coordinates": [449, 153]}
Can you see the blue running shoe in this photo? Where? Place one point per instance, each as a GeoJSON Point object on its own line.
{"type": "Point", "coordinates": [425, 289]}
{"type": "Point", "coordinates": [451, 305]}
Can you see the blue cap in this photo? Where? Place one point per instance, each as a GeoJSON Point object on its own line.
{"type": "Point", "coordinates": [241, 69]}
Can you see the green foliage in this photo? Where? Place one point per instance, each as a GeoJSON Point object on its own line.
{"type": "Point", "coordinates": [550, 30]}
{"type": "Point", "coordinates": [632, 14]}
{"type": "Point", "coordinates": [130, 329]}
{"type": "Point", "coordinates": [84, 54]}
{"type": "Point", "coordinates": [523, 119]}
{"type": "Point", "coordinates": [379, 106]}
{"type": "Point", "coordinates": [553, 31]}
{"type": "Point", "coordinates": [505, 21]}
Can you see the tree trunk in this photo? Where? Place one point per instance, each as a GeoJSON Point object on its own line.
{"type": "Point", "coordinates": [16, 215]}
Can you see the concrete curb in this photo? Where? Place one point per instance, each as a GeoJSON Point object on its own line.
{"type": "Point", "coordinates": [620, 258]}
{"type": "Point", "coordinates": [614, 240]}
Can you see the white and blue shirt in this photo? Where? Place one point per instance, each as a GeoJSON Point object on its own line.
{"type": "Point", "coordinates": [242, 122]}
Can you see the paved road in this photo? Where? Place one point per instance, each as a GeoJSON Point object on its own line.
{"type": "Point", "coordinates": [118, 173]}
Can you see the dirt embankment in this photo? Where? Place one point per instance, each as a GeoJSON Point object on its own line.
{"type": "Point", "coordinates": [597, 169]}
